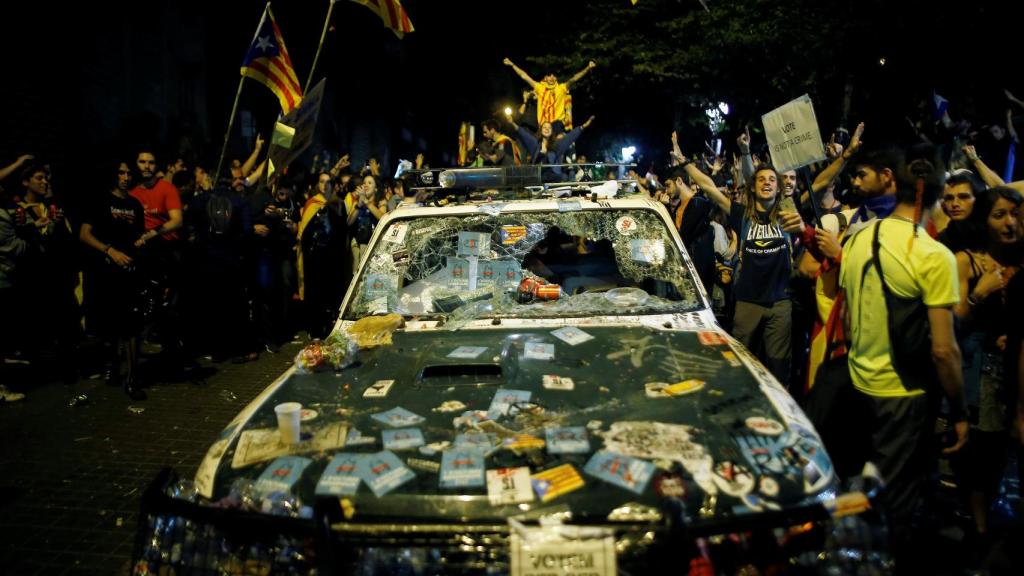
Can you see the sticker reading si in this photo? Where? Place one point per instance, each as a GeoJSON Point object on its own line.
{"type": "Point", "coordinates": [626, 225]}
{"type": "Point", "coordinates": [396, 235]}
{"type": "Point", "coordinates": [509, 486]}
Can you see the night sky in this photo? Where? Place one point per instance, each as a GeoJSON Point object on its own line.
{"type": "Point", "coordinates": [88, 81]}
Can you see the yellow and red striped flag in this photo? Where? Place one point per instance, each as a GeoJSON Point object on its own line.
{"type": "Point", "coordinates": [392, 13]}
{"type": "Point", "coordinates": [464, 144]}
{"type": "Point", "coordinates": [268, 63]}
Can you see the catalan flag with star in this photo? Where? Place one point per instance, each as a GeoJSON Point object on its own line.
{"type": "Point", "coordinates": [268, 63]}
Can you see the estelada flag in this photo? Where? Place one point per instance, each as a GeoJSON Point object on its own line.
{"type": "Point", "coordinates": [268, 63]}
{"type": "Point", "coordinates": [392, 13]}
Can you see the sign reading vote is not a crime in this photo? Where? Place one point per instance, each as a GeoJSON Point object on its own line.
{"type": "Point", "coordinates": [793, 135]}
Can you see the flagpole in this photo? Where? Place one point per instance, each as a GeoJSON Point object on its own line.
{"type": "Point", "coordinates": [234, 107]}
{"type": "Point", "coordinates": [323, 35]}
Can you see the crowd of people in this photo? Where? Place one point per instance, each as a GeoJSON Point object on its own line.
{"type": "Point", "coordinates": [882, 290]}
{"type": "Point", "coordinates": [896, 264]}
{"type": "Point", "coordinates": [164, 256]}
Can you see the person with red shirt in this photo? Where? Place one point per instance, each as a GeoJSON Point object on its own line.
{"type": "Point", "coordinates": [161, 251]}
{"type": "Point", "coordinates": [159, 199]}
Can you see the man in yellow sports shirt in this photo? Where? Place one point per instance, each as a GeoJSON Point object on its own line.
{"type": "Point", "coordinates": [899, 416]}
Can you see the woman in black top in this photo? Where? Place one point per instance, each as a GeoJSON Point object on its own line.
{"type": "Point", "coordinates": [112, 229]}
{"type": "Point", "coordinates": [991, 259]}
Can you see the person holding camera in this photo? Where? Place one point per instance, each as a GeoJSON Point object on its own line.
{"type": "Point", "coordinates": [369, 209]}
{"type": "Point", "coordinates": [275, 226]}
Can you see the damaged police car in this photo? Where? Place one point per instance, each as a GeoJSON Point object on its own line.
{"type": "Point", "coordinates": [527, 384]}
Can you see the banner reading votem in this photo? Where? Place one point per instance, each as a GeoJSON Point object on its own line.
{"type": "Point", "coordinates": [793, 136]}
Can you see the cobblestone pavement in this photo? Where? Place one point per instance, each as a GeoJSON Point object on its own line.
{"type": "Point", "coordinates": [72, 476]}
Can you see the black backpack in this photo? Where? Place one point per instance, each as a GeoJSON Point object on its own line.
{"type": "Point", "coordinates": [910, 339]}
{"type": "Point", "coordinates": [219, 211]}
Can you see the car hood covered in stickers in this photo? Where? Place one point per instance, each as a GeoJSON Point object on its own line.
{"type": "Point", "coordinates": [622, 393]}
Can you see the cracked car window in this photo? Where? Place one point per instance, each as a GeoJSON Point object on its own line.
{"type": "Point", "coordinates": [525, 264]}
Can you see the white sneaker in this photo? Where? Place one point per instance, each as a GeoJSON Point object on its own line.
{"type": "Point", "coordinates": [8, 396]}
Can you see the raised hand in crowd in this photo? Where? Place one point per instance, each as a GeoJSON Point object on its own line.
{"type": "Point", "coordinates": [640, 185]}
{"type": "Point", "coordinates": [676, 154]}
{"type": "Point", "coordinates": [340, 165]}
{"type": "Point", "coordinates": [8, 170]}
{"type": "Point", "coordinates": [833, 149]}
{"type": "Point", "coordinates": [987, 175]}
{"type": "Point", "coordinates": [829, 174]}
{"type": "Point", "coordinates": [743, 141]}
{"type": "Point", "coordinates": [715, 166]}
{"type": "Point", "coordinates": [1013, 98]}
{"type": "Point", "coordinates": [855, 141]}
{"type": "Point", "coordinates": [250, 162]}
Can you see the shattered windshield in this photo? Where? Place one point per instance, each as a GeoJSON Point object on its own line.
{"type": "Point", "coordinates": [525, 264]}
